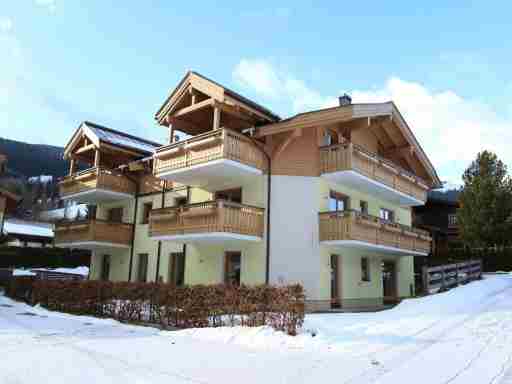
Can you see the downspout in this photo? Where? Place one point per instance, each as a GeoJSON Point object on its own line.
{"type": "Point", "coordinates": [269, 189]}
{"type": "Point", "coordinates": [159, 252]}
{"type": "Point", "coordinates": [134, 225]}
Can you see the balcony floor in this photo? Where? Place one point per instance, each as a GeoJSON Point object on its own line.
{"type": "Point", "coordinates": [208, 238]}
{"type": "Point", "coordinates": [356, 244]}
{"type": "Point", "coordinates": [97, 195]}
{"type": "Point", "coordinates": [375, 188]}
{"type": "Point", "coordinates": [214, 175]}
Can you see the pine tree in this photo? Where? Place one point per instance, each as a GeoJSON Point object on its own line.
{"type": "Point", "coordinates": [484, 216]}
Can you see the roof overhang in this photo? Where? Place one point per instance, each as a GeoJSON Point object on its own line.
{"type": "Point", "coordinates": [216, 93]}
{"type": "Point", "coordinates": [348, 113]}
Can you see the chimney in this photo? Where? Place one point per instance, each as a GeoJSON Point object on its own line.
{"type": "Point", "coordinates": [345, 100]}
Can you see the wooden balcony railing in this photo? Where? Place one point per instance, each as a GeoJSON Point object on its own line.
{"type": "Point", "coordinates": [349, 156]}
{"type": "Point", "coordinates": [93, 231]}
{"type": "Point", "coordinates": [207, 217]}
{"type": "Point", "coordinates": [93, 178]}
{"type": "Point", "coordinates": [215, 145]}
{"type": "Point", "coordinates": [353, 225]}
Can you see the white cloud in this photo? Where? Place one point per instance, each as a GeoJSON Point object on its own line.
{"type": "Point", "coordinates": [5, 24]}
{"type": "Point", "coordinates": [450, 128]}
{"type": "Point", "coordinates": [50, 5]}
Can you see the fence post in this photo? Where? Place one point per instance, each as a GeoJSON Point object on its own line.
{"type": "Point", "coordinates": [426, 288]}
{"type": "Point", "coordinates": [443, 277]}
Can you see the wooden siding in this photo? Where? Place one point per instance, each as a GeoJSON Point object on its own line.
{"type": "Point", "coordinates": [353, 225]}
{"type": "Point", "coordinates": [207, 217]}
{"type": "Point", "coordinates": [152, 184]}
{"type": "Point", "coordinates": [93, 178]}
{"type": "Point", "coordinates": [346, 157]}
{"type": "Point", "coordinates": [201, 149]}
{"type": "Point", "coordinates": [93, 231]}
{"type": "Point", "coordinates": [300, 158]}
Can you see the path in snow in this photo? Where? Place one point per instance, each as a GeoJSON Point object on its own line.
{"type": "Point", "coordinates": [462, 336]}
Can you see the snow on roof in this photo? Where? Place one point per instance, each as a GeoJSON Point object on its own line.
{"type": "Point", "coordinates": [122, 139]}
{"type": "Point", "coordinates": [22, 272]}
{"type": "Point", "coordinates": [41, 179]}
{"type": "Point", "coordinates": [28, 228]}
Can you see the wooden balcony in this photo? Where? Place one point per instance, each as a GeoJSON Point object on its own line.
{"type": "Point", "coordinates": [356, 230]}
{"type": "Point", "coordinates": [97, 185]}
{"type": "Point", "coordinates": [93, 234]}
{"type": "Point", "coordinates": [353, 166]}
{"type": "Point", "coordinates": [211, 221]}
{"type": "Point", "coordinates": [215, 160]}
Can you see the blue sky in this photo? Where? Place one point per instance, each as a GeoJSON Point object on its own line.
{"type": "Point", "coordinates": [447, 67]}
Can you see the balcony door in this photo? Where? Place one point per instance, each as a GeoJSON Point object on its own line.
{"type": "Point", "coordinates": [232, 267]}
{"type": "Point", "coordinates": [335, 281]}
{"type": "Point", "coordinates": [142, 271]}
{"type": "Point", "coordinates": [338, 201]}
{"type": "Point", "coordinates": [115, 215]}
{"type": "Point", "coordinates": [177, 269]}
{"type": "Point", "coordinates": [389, 281]}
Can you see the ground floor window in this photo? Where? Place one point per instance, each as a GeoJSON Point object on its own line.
{"type": "Point", "coordinates": [365, 269]}
{"type": "Point", "coordinates": [232, 268]}
{"type": "Point", "coordinates": [177, 268]}
{"type": "Point", "coordinates": [142, 270]}
{"type": "Point", "coordinates": [105, 268]}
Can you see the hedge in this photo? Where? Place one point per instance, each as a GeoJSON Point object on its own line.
{"type": "Point", "coordinates": [281, 307]}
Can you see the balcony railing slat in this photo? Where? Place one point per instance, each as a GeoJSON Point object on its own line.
{"type": "Point", "coordinates": [219, 144]}
{"type": "Point", "coordinates": [353, 225]}
{"type": "Point", "coordinates": [349, 156]}
{"type": "Point", "coordinates": [93, 231]}
{"type": "Point", "coordinates": [93, 178]}
{"type": "Point", "coordinates": [207, 217]}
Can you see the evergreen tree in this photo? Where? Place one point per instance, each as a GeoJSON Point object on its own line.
{"type": "Point", "coordinates": [484, 216]}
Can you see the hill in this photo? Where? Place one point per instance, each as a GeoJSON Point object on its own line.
{"type": "Point", "coordinates": [28, 160]}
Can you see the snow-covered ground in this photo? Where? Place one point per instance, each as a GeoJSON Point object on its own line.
{"type": "Point", "coordinates": [462, 336]}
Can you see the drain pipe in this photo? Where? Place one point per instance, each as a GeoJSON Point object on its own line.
{"type": "Point", "coordinates": [159, 252]}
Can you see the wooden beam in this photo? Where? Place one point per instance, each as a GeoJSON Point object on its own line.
{"type": "Point", "coordinates": [196, 107]}
{"type": "Point", "coordinates": [71, 166]}
{"type": "Point", "coordinates": [193, 95]}
{"type": "Point", "coordinates": [114, 149]}
{"type": "Point", "coordinates": [290, 136]}
{"type": "Point", "coordinates": [237, 112]}
{"type": "Point", "coordinates": [86, 148]}
{"type": "Point", "coordinates": [216, 116]}
{"type": "Point", "coordinates": [402, 150]}
{"type": "Point", "coordinates": [171, 133]}
{"type": "Point", "coordinates": [96, 158]}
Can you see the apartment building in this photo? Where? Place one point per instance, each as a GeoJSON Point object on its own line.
{"type": "Point", "coordinates": [322, 198]}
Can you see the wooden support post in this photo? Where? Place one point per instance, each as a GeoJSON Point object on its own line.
{"type": "Point", "coordinates": [96, 158]}
{"type": "Point", "coordinates": [216, 117]}
{"type": "Point", "coordinates": [171, 133]}
{"type": "Point", "coordinates": [72, 166]}
{"type": "Point", "coordinates": [426, 281]}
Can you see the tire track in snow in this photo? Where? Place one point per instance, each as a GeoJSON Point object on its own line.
{"type": "Point", "coordinates": [372, 374]}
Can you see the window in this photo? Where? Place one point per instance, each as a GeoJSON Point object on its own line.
{"type": "Point", "coordinates": [105, 268]}
{"type": "Point", "coordinates": [452, 220]}
{"type": "Point", "coordinates": [142, 271]}
{"type": "Point", "coordinates": [387, 214]}
{"type": "Point", "coordinates": [180, 201]}
{"type": "Point", "coordinates": [177, 268]}
{"type": "Point", "coordinates": [363, 206]}
{"type": "Point", "coordinates": [115, 215]}
{"type": "Point", "coordinates": [232, 268]}
{"type": "Point", "coordinates": [365, 269]}
{"type": "Point", "coordinates": [338, 202]}
{"type": "Point", "coordinates": [234, 195]}
{"type": "Point", "coordinates": [145, 212]}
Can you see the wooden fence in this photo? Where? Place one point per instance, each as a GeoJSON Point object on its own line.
{"type": "Point", "coordinates": [444, 277]}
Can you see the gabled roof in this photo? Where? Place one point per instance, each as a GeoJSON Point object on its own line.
{"type": "Point", "coordinates": [101, 134]}
{"type": "Point", "coordinates": [215, 90]}
{"type": "Point", "coordinates": [347, 113]}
